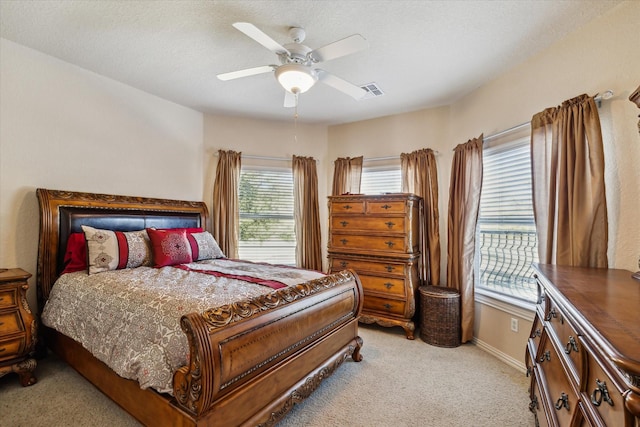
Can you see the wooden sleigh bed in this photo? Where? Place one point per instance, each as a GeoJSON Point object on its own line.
{"type": "Point", "coordinates": [234, 376]}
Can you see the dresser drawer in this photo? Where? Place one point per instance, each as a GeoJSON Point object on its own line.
{"type": "Point", "coordinates": [11, 347]}
{"type": "Point", "coordinates": [384, 244]}
{"type": "Point", "coordinates": [386, 285]}
{"type": "Point", "coordinates": [8, 298]}
{"type": "Point", "coordinates": [567, 339]}
{"type": "Point", "coordinates": [536, 334]}
{"type": "Point", "coordinates": [562, 395]}
{"type": "Point", "coordinates": [10, 323]}
{"type": "Point", "coordinates": [384, 305]}
{"type": "Point", "coordinates": [368, 224]}
{"type": "Point", "coordinates": [384, 267]}
{"type": "Point", "coordinates": [386, 207]}
{"type": "Point", "coordinates": [537, 402]}
{"type": "Point", "coordinates": [603, 398]}
{"type": "Point", "coordinates": [351, 207]}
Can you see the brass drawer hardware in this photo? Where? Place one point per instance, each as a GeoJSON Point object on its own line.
{"type": "Point", "coordinates": [562, 402]}
{"type": "Point", "coordinates": [601, 393]}
{"type": "Point", "coordinates": [571, 345]}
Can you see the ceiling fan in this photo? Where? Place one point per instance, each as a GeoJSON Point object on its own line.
{"type": "Point", "coordinates": [297, 72]}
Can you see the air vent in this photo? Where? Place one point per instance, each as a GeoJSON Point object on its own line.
{"type": "Point", "coordinates": [372, 90]}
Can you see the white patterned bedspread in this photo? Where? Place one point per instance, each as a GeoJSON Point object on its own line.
{"type": "Point", "coordinates": [130, 319]}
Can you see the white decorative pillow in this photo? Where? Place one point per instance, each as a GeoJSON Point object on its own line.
{"type": "Point", "coordinates": [114, 250]}
{"type": "Point", "coordinates": [206, 245]}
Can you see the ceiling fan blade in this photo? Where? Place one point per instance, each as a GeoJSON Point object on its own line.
{"type": "Point", "coordinates": [340, 48]}
{"type": "Point", "coordinates": [257, 34]}
{"type": "Point", "coordinates": [246, 72]}
{"type": "Point", "coordinates": [290, 99]}
{"type": "Point", "coordinates": [340, 84]}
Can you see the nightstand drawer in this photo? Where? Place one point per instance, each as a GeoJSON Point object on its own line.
{"type": "Point", "coordinates": [10, 348]}
{"type": "Point", "coordinates": [10, 323]}
{"type": "Point", "coordinates": [8, 298]}
{"type": "Point", "coordinates": [384, 285]}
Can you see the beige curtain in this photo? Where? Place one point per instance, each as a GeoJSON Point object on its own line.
{"type": "Point", "coordinates": [464, 204]}
{"type": "Point", "coordinates": [306, 213]}
{"type": "Point", "coordinates": [225, 202]}
{"type": "Point", "coordinates": [568, 184]}
{"type": "Point", "coordinates": [420, 177]}
{"type": "Point", "coordinates": [346, 175]}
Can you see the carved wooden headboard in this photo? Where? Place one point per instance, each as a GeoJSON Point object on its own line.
{"type": "Point", "coordinates": [63, 212]}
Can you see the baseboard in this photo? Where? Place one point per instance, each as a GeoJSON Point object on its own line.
{"type": "Point", "coordinates": [515, 363]}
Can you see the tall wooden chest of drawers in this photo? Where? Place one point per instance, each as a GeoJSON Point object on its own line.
{"type": "Point", "coordinates": [583, 354]}
{"type": "Point", "coordinates": [379, 238]}
{"type": "Point", "coordinates": [18, 328]}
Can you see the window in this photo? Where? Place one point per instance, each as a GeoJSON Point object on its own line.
{"type": "Point", "coordinates": [266, 216]}
{"type": "Point", "coordinates": [377, 180]}
{"type": "Point", "coordinates": [506, 242]}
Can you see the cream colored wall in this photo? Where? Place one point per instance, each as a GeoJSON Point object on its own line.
{"type": "Point", "coordinates": [603, 55]}
{"type": "Point", "coordinates": [391, 136]}
{"type": "Point", "coordinates": [265, 138]}
{"type": "Point", "coordinates": [67, 128]}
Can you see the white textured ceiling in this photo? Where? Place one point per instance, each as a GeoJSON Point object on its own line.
{"type": "Point", "coordinates": [422, 53]}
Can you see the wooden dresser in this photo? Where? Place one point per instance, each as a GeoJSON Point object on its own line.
{"type": "Point", "coordinates": [18, 328]}
{"type": "Point", "coordinates": [583, 354]}
{"type": "Point", "coordinates": [378, 237]}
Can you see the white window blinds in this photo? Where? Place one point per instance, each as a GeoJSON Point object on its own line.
{"type": "Point", "coordinates": [266, 216]}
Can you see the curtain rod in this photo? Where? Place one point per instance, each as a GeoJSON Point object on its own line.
{"type": "Point", "coordinates": [269, 158]}
{"type": "Point", "coordinates": [598, 99]}
{"type": "Point", "coordinates": [379, 159]}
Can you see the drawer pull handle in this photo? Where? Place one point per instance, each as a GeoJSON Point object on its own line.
{"type": "Point", "coordinates": [601, 393]}
{"type": "Point", "coordinates": [533, 405]}
{"type": "Point", "coordinates": [2, 349]}
{"type": "Point", "coordinates": [545, 356]}
{"type": "Point", "coordinates": [344, 223]}
{"type": "Point", "coordinates": [537, 333]}
{"type": "Point", "coordinates": [385, 207]}
{"type": "Point", "coordinates": [1, 299]}
{"type": "Point", "coordinates": [387, 306]}
{"type": "Point", "coordinates": [529, 371]}
{"type": "Point", "coordinates": [390, 268]}
{"type": "Point", "coordinates": [388, 285]}
{"type": "Point", "coordinates": [551, 314]}
{"type": "Point", "coordinates": [343, 264]}
{"type": "Point", "coordinates": [347, 207]}
{"type": "Point", "coordinates": [389, 244]}
{"type": "Point", "coordinates": [562, 402]}
{"type": "Point", "coordinates": [571, 345]}
{"type": "Point", "coordinates": [344, 241]}
{"type": "Point", "coordinates": [390, 224]}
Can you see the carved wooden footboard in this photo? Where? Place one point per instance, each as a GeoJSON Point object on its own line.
{"type": "Point", "coordinates": [253, 355]}
{"type": "Point", "coordinates": [250, 362]}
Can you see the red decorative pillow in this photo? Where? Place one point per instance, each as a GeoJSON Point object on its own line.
{"type": "Point", "coordinates": [75, 257]}
{"type": "Point", "coordinates": [169, 247]}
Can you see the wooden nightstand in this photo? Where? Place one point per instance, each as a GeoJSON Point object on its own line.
{"type": "Point", "coordinates": [18, 327]}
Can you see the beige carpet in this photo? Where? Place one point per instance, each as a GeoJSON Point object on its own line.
{"type": "Point", "coordinates": [400, 383]}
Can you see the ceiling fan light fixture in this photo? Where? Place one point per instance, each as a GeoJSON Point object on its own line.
{"type": "Point", "coordinates": [296, 78]}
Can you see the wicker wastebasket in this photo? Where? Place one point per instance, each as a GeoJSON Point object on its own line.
{"type": "Point", "coordinates": [440, 316]}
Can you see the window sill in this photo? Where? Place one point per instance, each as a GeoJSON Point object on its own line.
{"type": "Point", "coordinates": [523, 309]}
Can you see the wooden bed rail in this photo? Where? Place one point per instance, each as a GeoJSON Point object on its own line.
{"type": "Point", "coordinates": [240, 346]}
